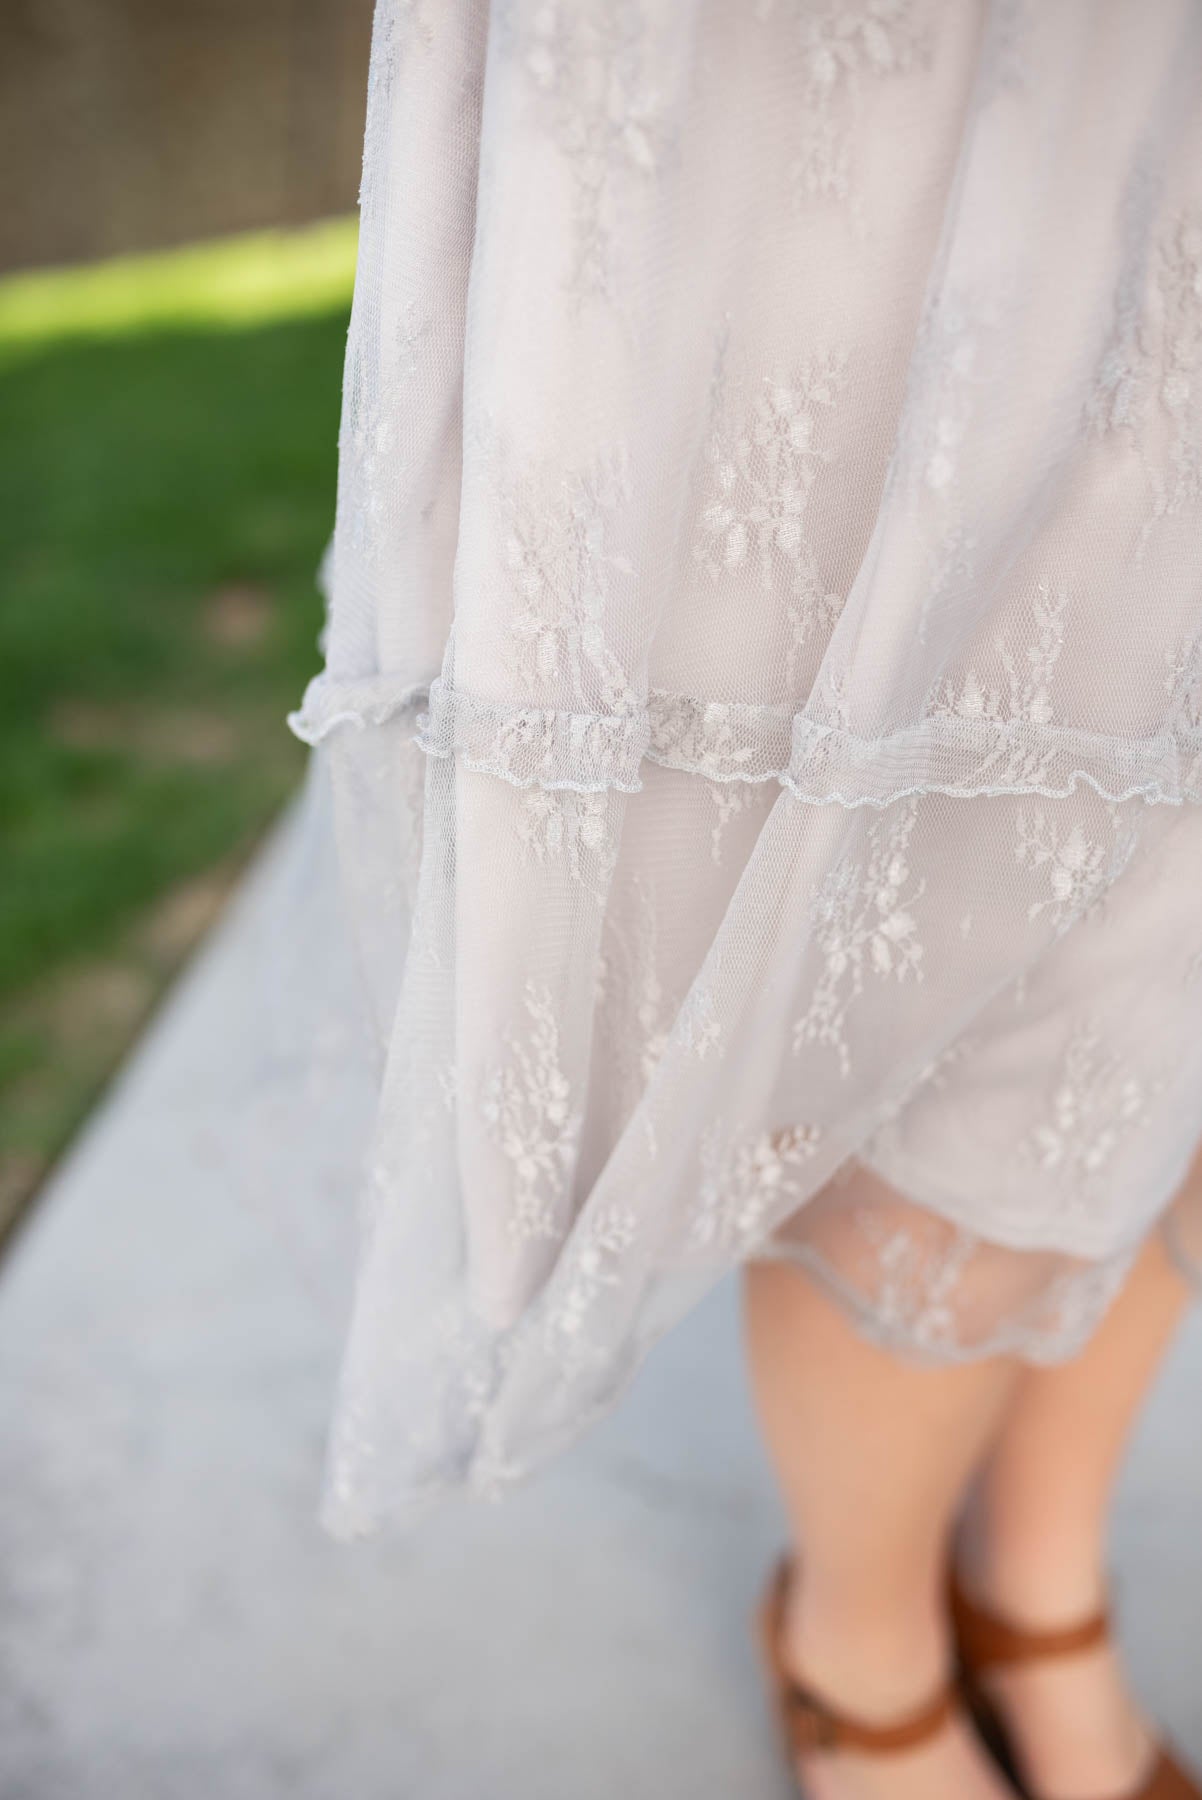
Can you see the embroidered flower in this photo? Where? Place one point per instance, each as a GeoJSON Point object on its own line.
{"type": "Point", "coordinates": [762, 474]}
{"type": "Point", "coordinates": [1017, 695]}
{"type": "Point", "coordinates": [697, 1025]}
{"type": "Point", "coordinates": [527, 1105]}
{"type": "Point", "coordinates": [593, 1263]}
{"type": "Point", "coordinates": [1078, 869]}
{"type": "Point", "coordinates": [1095, 1104]}
{"type": "Point", "coordinates": [1152, 362]}
{"type": "Point", "coordinates": [598, 79]}
{"type": "Point", "coordinates": [747, 1186]}
{"type": "Point", "coordinates": [840, 46]}
{"type": "Point", "coordinates": [559, 825]}
{"type": "Point", "coordinates": [563, 573]}
{"type": "Point", "coordinates": [863, 924]}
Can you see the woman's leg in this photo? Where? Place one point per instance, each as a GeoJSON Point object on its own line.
{"type": "Point", "coordinates": [1033, 1543]}
{"type": "Point", "coordinates": [872, 1456]}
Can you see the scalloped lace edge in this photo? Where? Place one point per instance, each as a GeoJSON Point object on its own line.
{"type": "Point", "coordinates": [728, 741]}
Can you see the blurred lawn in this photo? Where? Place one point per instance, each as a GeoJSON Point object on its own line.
{"type": "Point", "coordinates": [168, 433]}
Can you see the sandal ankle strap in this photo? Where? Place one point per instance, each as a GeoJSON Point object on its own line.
{"type": "Point", "coordinates": [986, 1640]}
{"type": "Point", "coordinates": [813, 1724]}
{"type": "Point", "coordinates": [810, 1722]}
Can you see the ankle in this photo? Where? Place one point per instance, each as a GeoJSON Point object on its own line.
{"type": "Point", "coordinates": [878, 1662]}
{"type": "Point", "coordinates": [1041, 1577]}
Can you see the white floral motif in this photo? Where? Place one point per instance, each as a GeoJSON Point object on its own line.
{"type": "Point", "coordinates": [1183, 684]}
{"type": "Point", "coordinates": [592, 1265]}
{"type": "Point", "coordinates": [562, 571]}
{"type": "Point", "coordinates": [559, 824]}
{"type": "Point", "coordinates": [1022, 697]}
{"type": "Point", "coordinates": [380, 366]}
{"type": "Point", "coordinates": [652, 1013]}
{"type": "Point", "coordinates": [763, 475]}
{"type": "Point", "coordinates": [840, 45]}
{"type": "Point", "coordinates": [1027, 692]}
{"type": "Point", "coordinates": [946, 378]}
{"type": "Point", "coordinates": [1078, 869]}
{"type": "Point", "coordinates": [1153, 359]}
{"type": "Point", "coordinates": [1094, 1105]}
{"type": "Point", "coordinates": [730, 798]}
{"type": "Point", "coordinates": [592, 71]}
{"type": "Point", "coordinates": [1118, 398]}
{"type": "Point", "coordinates": [831, 700]}
{"type": "Point", "coordinates": [527, 1103]}
{"type": "Point", "coordinates": [697, 1024]}
{"type": "Point", "coordinates": [921, 1271]}
{"type": "Point", "coordinates": [863, 925]}
{"type": "Point", "coordinates": [371, 441]}
{"type": "Point", "coordinates": [747, 1185]}
{"type": "Point", "coordinates": [1180, 280]}
{"type": "Point", "coordinates": [722, 740]}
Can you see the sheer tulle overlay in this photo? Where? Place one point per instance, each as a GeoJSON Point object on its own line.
{"type": "Point", "coordinates": [762, 717]}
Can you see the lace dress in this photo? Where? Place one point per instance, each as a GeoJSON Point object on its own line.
{"type": "Point", "coordinates": [763, 695]}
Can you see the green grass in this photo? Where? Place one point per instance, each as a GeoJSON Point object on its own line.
{"type": "Point", "coordinates": [167, 463]}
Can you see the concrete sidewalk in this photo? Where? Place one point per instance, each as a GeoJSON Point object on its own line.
{"type": "Point", "coordinates": [174, 1626]}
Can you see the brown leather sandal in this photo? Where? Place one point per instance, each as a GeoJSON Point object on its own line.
{"type": "Point", "coordinates": [985, 1642]}
{"type": "Point", "coordinates": [807, 1721]}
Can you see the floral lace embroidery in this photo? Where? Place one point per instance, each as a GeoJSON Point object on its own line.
{"type": "Point", "coordinates": [719, 739]}
{"type": "Point", "coordinates": [1154, 356]}
{"type": "Point", "coordinates": [371, 442]}
{"type": "Point", "coordinates": [944, 398]}
{"type": "Point", "coordinates": [1093, 1107]}
{"type": "Point", "coordinates": [744, 1185]}
{"type": "Point", "coordinates": [1183, 684]}
{"type": "Point", "coordinates": [1027, 692]}
{"type": "Point", "coordinates": [559, 824]}
{"type": "Point", "coordinates": [379, 368]}
{"type": "Point", "coordinates": [840, 45]}
{"type": "Point", "coordinates": [593, 1265]}
{"type": "Point", "coordinates": [1119, 394]}
{"type": "Point", "coordinates": [921, 1270]}
{"type": "Point", "coordinates": [945, 378]}
{"type": "Point", "coordinates": [1078, 869]}
{"type": "Point", "coordinates": [592, 70]}
{"type": "Point", "coordinates": [863, 926]}
{"type": "Point", "coordinates": [1180, 282]}
{"type": "Point", "coordinates": [1022, 697]}
{"type": "Point", "coordinates": [697, 1025]}
{"type": "Point", "coordinates": [527, 1105]}
{"type": "Point", "coordinates": [730, 799]}
{"type": "Point", "coordinates": [652, 1012]}
{"type": "Point", "coordinates": [762, 478]}
{"type": "Point", "coordinates": [562, 570]}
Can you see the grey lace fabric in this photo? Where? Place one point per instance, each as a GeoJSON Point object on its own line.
{"type": "Point", "coordinates": [761, 728]}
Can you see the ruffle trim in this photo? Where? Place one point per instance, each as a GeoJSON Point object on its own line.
{"type": "Point", "coordinates": [723, 741]}
{"type": "Point", "coordinates": [328, 704]}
